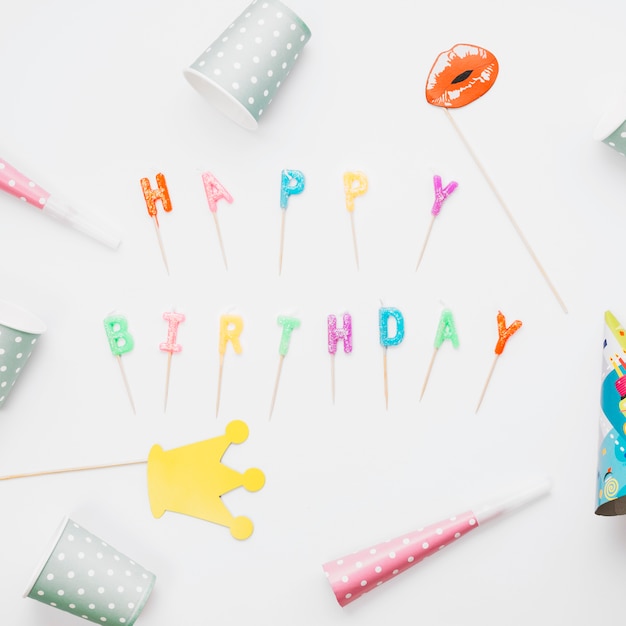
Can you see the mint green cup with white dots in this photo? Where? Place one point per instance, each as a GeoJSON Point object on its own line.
{"type": "Point", "coordinates": [611, 129]}
{"type": "Point", "coordinates": [243, 69]}
{"type": "Point", "coordinates": [85, 576]}
{"type": "Point", "coordinates": [19, 332]}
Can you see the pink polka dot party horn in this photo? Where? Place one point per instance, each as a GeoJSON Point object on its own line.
{"type": "Point", "coordinates": [241, 71]}
{"type": "Point", "coordinates": [357, 573]}
{"type": "Point", "coordinates": [19, 332]}
{"type": "Point", "coordinates": [85, 576]}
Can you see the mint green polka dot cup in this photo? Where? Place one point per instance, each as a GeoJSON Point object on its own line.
{"type": "Point", "coordinates": [87, 577]}
{"type": "Point", "coordinates": [19, 333]}
{"type": "Point", "coordinates": [611, 129]}
{"type": "Point", "coordinates": [241, 71]}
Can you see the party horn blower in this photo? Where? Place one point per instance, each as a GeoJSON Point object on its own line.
{"type": "Point", "coordinates": [291, 184]}
{"type": "Point", "coordinates": [354, 184]}
{"type": "Point", "coordinates": [120, 342]}
{"type": "Point", "coordinates": [241, 71]}
{"type": "Point", "coordinates": [85, 576]}
{"type": "Point", "coordinates": [458, 77]}
{"type": "Point", "coordinates": [335, 335]}
{"type": "Point", "coordinates": [17, 184]}
{"type": "Point", "coordinates": [355, 574]}
{"type": "Point", "coordinates": [441, 193]}
{"type": "Point", "coordinates": [504, 334]}
{"type": "Point", "coordinates": [288, 324]}
{"type": "Point", "coordinates": [152, 196]}
{"type": "Point", "coordinates": [170, 346]}
{"type": "Point", "coordinates": [611, 475]}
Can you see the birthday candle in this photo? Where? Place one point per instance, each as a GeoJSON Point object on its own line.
{"type": "Point", "coordinates": [289, 324]}
{"type": "Point", "coordinates": [120, 342]}
{"type": "Point", "coordinates": [231, 327]}
{"type": "Point", "coordinates": [170, 345]}
{"type": "Point", "coordinates": [152, 196]}
{"type": "Point", "coordinates": [334, 336]}
{"type": "Point", "coordinates": [386, 340]}
{"type": "Point", "coordinates": [354, 184]}
{"type": "Point", "coordinates": [291, 183]}
{"type": "Point", "coordinates": [215, 192]}
{"type": "Point", "coordinates": [504, 334]}
{"type": "Point", "coordinates": [446, 330]}
{"type": "Point", "coordinates": [441, 193]}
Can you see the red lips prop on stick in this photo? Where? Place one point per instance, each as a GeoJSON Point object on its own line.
{"type": "Point", "coordinates": [458, 77]}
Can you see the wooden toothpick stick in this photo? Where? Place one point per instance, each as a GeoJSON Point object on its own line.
{"type": "Point", "coordinates": [280, 367]}
{"type": "Point", "coordinates": [430, 367]}
{"type": "Point", "coordinates": [158, 234]}
{"type": "Point", "coordinates": [282, 241]}
{"type": "Point", "coordinates": [219, 386]}
{"type": "Point", "coordinates": [482, 395]}
{"type": "Point", "coordinates": [130, 395]}
{"type": "Point", "coordinates": [356, 249]}
{"type": "Point", "coordinates": [219, 237]}
{"type": "Point", "coordinates": [430, 227]}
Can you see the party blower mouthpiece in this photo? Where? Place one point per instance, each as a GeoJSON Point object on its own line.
{"type": "Point", "coordinates": [22, 187]}
{"type": "Point", "coordinates": [353, 575]}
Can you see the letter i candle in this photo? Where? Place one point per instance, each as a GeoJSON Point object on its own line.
{"type": "Point", "coordinates": [504, 334]}
{"type": "Point", "coordinates": [230, 329]}
{"type": "Point", "coordinates": [288, 324]}
{"type": "Point", "coordinates": [120, 342]}
{"type": "Point", "coordinates": [458, 77]}
{"type": "Point", "coordinates": [170, 346]}
{"type": "Point", "coordinates": [335, 335]}
{"type": "Point", "coordinates": [355, 574]}
{"type": "Point", "coordinates": [386, 340]}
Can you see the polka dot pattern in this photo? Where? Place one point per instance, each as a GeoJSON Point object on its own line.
{"type": "Point", "coordinates": [18, 185]}
{"type": "Point", "coordinates": [617, 139]}
{"type": "Point", "coordinates": [253, 56]}
{"type": "Point", "coordinates": [354, 575]}
{"type": "Point", "coordinates": [15, 349]}
{"type": "Point", "coordinates": [88, 578]}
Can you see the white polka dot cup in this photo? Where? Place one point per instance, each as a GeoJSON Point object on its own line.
{"type": "Point", "coordinates": [241, 71]}
{"type": "Point", "coordinates": [87, 577]}
{"type": "Point", "coordinates": [19, 333]}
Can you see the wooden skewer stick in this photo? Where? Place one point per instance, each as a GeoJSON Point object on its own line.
{"type": "Point", "coordinates": [332, 377]}
{"type": "Point", "coordinates": [219, 385]}
{"type": "Point", "coordinates": [430, 367]}
{"type": "Point", "coordinates": [282, 241]}
{"type": "Point", "coordinates": [430, 227]}
{"type": "Point", "coordinates": [385, 378]}
{"type": "Point", "coordinates": [158, 234]}
{"type": "Point", "coordinates": [167, 379]}
{"type": "Point", "coordinates": [219, 236]}
{"type": "Point", "coordinates": [506, 210]}
{"type": "Point", "coordinates": [482, 395]}
{"type": "Point", "coordinates": [280, 367]}
{"type": "Point", "coordinates": [71, 469]}
{"type": "Point", "coordinates": [130, 395]}
{"type": "Point", "coordinates": [356, 249]}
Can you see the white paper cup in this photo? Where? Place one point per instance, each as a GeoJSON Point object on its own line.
{"type": "Point", "coordinates": [19, 332]}
{"type": "Point", "coordinates": [241, 71]}
{"type": "Point", "coordinates": [85, 576]}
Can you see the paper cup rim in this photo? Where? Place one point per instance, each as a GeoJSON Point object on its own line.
{"type": "Point", "coordinates": [52, 544]}
{"type": "Point", "coordinates": [221, 99]}
{"type": "Point", "coordinates": [18, 318]}
{"type": "Point", "coordinates": [613, 118]}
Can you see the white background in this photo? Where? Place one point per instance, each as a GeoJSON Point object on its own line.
{"type": "Point", "coordinates": [93, 99]}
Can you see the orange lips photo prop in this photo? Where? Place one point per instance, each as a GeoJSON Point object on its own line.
{"type": "Point", "coordinates": [461, 75]}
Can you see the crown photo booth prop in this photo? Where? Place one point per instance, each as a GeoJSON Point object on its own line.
{"type": "Point", "coordinates": [192, 479]}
